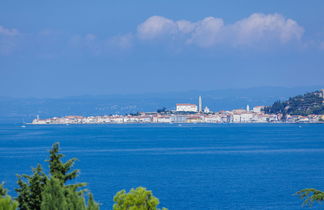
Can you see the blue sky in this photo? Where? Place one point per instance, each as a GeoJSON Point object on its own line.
{"type": "Point", "coordinates": [63, 48]}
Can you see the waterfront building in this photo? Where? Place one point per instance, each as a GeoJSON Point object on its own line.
{"type": "Point", "coordinates": [258, 109]}
{"type": "Point", "coordinates": [194, 119]}
{"type": "Point", "coordinates": [213, 119]}
{"type": "Point", "coordinates": [246, 117]}
{"type": "Point", "coordinates": [178, 118]}
{"type": "Point", "coordinates": [238, 111]}
{"type": "Point", "coordinates": [163, 119]}
{"type": "Point", "coordinates": [236, 118]}
{"type": "Point", "coordinates": [186, 107]}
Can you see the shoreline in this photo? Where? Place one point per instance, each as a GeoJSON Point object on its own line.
{"type": "Point", "coordinates": [176, 123]}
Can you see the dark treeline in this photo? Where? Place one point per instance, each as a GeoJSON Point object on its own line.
{"type": "Point", "coordinates": [309, 103]}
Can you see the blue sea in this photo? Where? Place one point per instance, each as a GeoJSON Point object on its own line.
{"type": "Point", "coordinates": [188, 166]}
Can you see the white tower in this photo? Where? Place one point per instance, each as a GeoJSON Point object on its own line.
{"type": "Point", "coordinates": [247, 108]}
{"type": "Point", "coordinates": [200, 104]}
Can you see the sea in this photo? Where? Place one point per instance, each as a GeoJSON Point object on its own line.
{"type": "Point", "coordinates": [187, 166]}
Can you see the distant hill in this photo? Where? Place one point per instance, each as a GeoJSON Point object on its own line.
{"type": "Point", "coordinates": [309, 103]}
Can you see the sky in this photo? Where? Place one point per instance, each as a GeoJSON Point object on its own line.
{"type": "Point", "coordinates": [68, 48]}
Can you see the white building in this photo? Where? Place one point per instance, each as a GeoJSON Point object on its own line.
{"type": "Point", "coordinates": [236, 118]}
{"type": "Point", "coordinates": [246, 117]}
{"type": "Point", "coordinates": [213, 119]}
{"type": "Point", "coordinates": [163, 119]}
{"type": "Point", "coordinates": [206, 110]}
{"type": "Point", "coordinates": [258, 109]}
{"type": "Point", "coordinates": [186, 108]}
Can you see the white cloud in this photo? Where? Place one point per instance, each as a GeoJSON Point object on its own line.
{"type": "Point", "coordinates": [260, 27]}
{"type": "Point", "coordinates": [184, 26]}
{"type": "Point", "coordinates": [210, 31]}
{"type": "Point", "coordinates": [155, 27]}
{"type": "Point", "coordinates": [8, 40]}
{"type": "Point", "coordinates": [122, 41]}
{"type": "Point", "coordinates": [207, 32]}
{"type": "Point", "coordinates": [8, 32]}
{"type": "Point", "coordinates": [99, 46]}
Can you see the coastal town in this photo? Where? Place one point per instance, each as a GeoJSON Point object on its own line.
{"type": "Point", "coordinates": [187, 113]}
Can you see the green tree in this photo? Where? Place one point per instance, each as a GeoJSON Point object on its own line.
{"type": "Point", "coordinates": [57, 197]}
{"type": "Point", "coordinates": [135, 199]}
{"type": "Point", "coordinates": [310, 196]}
{"type": "Point", "coordinates": [61, 170]}
{"type": "Point", "coordinates": [309, 103]}
{"type": "Point", "coordinates": [6, 203]}
{"type": "Point", "coordinates": [53, 197]}
{"type": "Point", "coordinates": [30, 189]}
{"type": "Point", "coordinates": [3, 191]}
{"type": "Point", "coordinates": [92, 205]}
{"type": "Point", "coordinates": [33, 189]}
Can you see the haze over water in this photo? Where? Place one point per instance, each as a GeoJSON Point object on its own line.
{"type": "Point", "coordinates": [220, 166]}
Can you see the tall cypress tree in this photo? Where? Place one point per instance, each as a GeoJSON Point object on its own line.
{"type": "Point", "coordinates": [30, 189]}
{"type": "Point", "coordinates": [57, 197]}
{"type": "Point", "coordinates": [40, 192]}
{"type": "Point", "coordinates": [61, 170]}
{"type": "Point", "coordinates": [53, 196]}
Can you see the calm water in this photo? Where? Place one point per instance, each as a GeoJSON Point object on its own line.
{"type": "Point", "coordinates": [187, 167]}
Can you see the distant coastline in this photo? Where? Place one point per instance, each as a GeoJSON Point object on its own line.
{"type": "Point", "coordinates": [307, 108]}
{"type": "Point", "coordinates": [172, 119]}
{"type": "Point", "coordinates": [187, 113]}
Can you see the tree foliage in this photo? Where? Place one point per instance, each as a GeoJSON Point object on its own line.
{"type": "Point", "coordinates": [6, 203]}
{"type": "Point", "coordinates": [57, 197]}
{"type": "Point", "coordinates": [310, 196]}
{"type": "Point", "coordinates": [162, 110]}
{"type": "Point", "coordinates": [61, 170]}
{"type": "Point", "coordinates": [3, 191]}
{"type": "Point", "coordinates": [30, 189]}
{"type": "Point", "coordinates": [53, 197]}
{"type": "Point", "coordinates": [309, 103]}
{"type": "Point", "coordinates": [135, 199]}
{"type": "Point", "coordinates": [51, 192]}
{"type": "Point", "coordinates": [39, 191]}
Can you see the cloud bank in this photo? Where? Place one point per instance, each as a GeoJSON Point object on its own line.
{"type": "Point", "coordinates": [257, 30]}
{"type": "Point", "coordinates": [8, 40]}
{"type": "Point", "coordinates": [210, 31]}
{"type": "Point", "coordinates": [8, 32]}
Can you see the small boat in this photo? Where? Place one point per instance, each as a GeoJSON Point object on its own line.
{"type": "Point", "coordinates": [23, 124]}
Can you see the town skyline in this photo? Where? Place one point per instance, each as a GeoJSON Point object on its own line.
{"type": "Point", "coordinates": [307, 108]}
